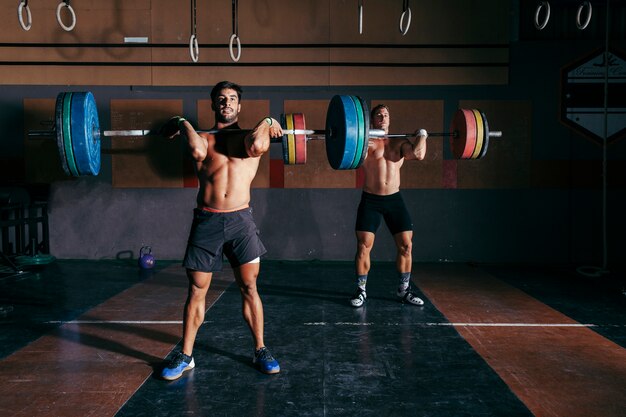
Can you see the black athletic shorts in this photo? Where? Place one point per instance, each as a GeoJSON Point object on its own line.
{"type": "Point", "coordinates": [373, 208]}
{"type": "Point", "coordinates": [233, 234]}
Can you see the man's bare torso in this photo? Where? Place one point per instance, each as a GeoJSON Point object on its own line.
{"type": "Point", "coordinates": [382, 167]}
{"type": "Point", "coordinates": [226, 174]}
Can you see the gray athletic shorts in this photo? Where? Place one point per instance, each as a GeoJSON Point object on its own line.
{"type": "Point", "coordinates": [233, 234]}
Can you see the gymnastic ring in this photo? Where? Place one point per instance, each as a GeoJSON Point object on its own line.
{"type": "Point", "coordinates": [20, 15]}
{"type": "Point", "coordinates": [360, 18]}
{"type": "Point", "coordinates": [579, 25]}
{"type": "Point", "coordinates": [194, 51]}
{"type": "Point", "coordinates": [66, 28]}
{"type": "Point", "coordinates": [408, 21]}
{"type": "Point", "coordinates": [542, 25]}
{"type": "Point", "coordinates": [234, 37]}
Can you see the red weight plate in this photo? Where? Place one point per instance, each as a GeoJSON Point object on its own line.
{"type": "Point", "coordinates": [463, 134]}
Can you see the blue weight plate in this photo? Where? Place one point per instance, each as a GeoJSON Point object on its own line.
{"type": "Point", "coordinates": [94, 161]}
{"type": "Point", "coordinates": [85, 133]}
{"type": "Point", "coordinates": [341, 132]}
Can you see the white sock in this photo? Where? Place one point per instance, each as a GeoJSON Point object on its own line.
{"type": "Point", "coordinates": [361, 281]}
{"type": "Point", "coordinates": [405, 278]}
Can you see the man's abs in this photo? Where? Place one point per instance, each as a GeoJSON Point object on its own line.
{"type": "Point", "coordinates": [228, 186]}
{"type": "Point", "coordinates": [381, 177]}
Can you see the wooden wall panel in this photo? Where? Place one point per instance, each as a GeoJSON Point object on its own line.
{"type": "Point", "coordinates": [288, 22]}
{"type": "Point", "coordinates": [273, 21]}
{"type": "Point", "coordinates": [417, 76]}
{"type": "Point", "coordinates": [252, 111]}
{"type": "Point", "coordinates": [407, 116]}
{"type": "Point", "coordinates": [75, 75]}
{"type": "Point", "coordinates": [283, 43]}
{"type": "Point", "coordinates": [267, 75]}
{"type": "Point", "coordinates": [145, 161]}
{"type": "Point", "coordinates": [96, 55]}
{"type": "Point", "coordinates": [433, 21]}
{"type": "Point", "coordinates": [218, 54]}
{"type": "Point", "coordinates": [96, 22]}
{"type": "Point", "coordinates": [316, 173]}
{"type": "Point", "coordinates": [419, 55]}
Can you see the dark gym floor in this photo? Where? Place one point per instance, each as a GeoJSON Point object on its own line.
{"type": "Point", "coordinates": [82, 338]}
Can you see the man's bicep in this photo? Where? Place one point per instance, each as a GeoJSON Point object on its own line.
{"type": "Point", "coordinates": [407, 150]}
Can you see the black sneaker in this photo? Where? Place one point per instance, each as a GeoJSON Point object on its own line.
{"type": "Point", "coordinates": [406, 296]}
{"type": "Point", "coordinates": [358, 299]}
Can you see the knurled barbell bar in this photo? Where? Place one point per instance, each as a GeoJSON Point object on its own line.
{"type": "Point", "coordinates": [77, 130]}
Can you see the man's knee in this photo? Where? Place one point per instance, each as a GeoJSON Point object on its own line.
{"type": "Point", "coordinates": [404, 248]}
{"type": "Point", "coordinates": [363, 249]}
{"type": "Point", "coordinates": [364, 242]}
{"type": "Point", "coordinates": [197, 294]}
{"type": "Point", "coordinates": [248, 287]}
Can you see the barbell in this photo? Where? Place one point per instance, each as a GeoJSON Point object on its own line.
{"type": "Point", "coordinates": [77, 131]}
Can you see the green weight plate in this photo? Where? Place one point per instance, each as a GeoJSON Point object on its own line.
{"type": "Point", "coordinates": [39, 259]}
{"type": "Point", "coordinates": [67, 135]}
{"type": "Point", "coordinates": [366, 136]}
{"type": "Point", "coordinates": [64, 135]}
{"type": "Point", "coordinates": [58, 120]}
{"type": "Point", "coordinates": [361, 132]}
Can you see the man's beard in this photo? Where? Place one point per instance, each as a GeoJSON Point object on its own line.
{"type": "Point", "coordinates": [227, 117]}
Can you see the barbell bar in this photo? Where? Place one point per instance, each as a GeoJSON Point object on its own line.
{"type": "Point", "coordinates": [310, 133]}
{"type": "Point", "coordinates": [114, 133]}
{"type": "Point", "coordinates": [140, 132]}
{"type": "Point", "coordinates": [347, 133]}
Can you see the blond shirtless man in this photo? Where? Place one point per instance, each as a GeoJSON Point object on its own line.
{"type": "Point", "coordinates": [225, 164]}
{"type": "Point", "coordinates": [381, 199]}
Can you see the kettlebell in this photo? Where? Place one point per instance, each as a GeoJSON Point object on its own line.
{"type": "Point", "coordinates": [146, 259]}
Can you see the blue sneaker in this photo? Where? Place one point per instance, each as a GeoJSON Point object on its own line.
{"type": "Point", "coordinates": [175, 367]}
{"type": "Point", "coordinates": [265, 362]}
